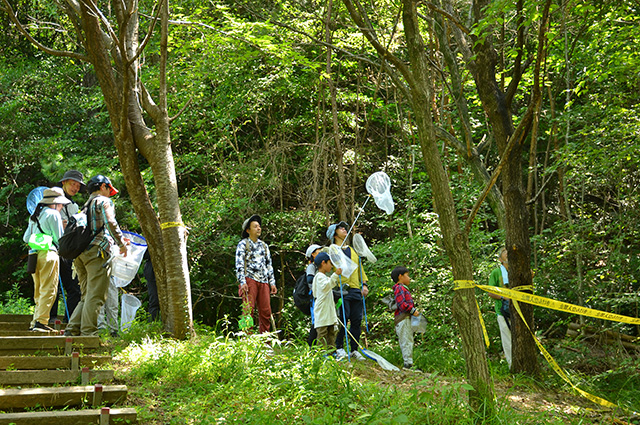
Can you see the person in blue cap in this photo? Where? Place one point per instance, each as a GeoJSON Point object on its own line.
{"type": "Point", "coordinates": [324, 312]}
{"type": "Point", "coordinates": [93, 275]}
{"type": "Point", "coordinates": [356, 289]}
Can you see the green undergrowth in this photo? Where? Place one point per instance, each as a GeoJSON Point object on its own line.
{"type": "Point", "coordinates": [217, 378]}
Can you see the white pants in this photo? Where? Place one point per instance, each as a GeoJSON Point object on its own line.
{"type": "Point", "coordinates": [505, 336]}
{"type": "Point", "coordinates": [405, 339]}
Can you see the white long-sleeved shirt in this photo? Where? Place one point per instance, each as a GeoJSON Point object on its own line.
{"type": "Point", "coordinates": [324, 312]}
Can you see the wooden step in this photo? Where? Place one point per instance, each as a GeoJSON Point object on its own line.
{"type": "Point", "coordinates": [14, 345]}
{"type": "Point", "coordinates": [30, 333]}
{"type": "Point", "coordinates": [20, 399]}
{"type": "Point", "coordinates": [14, 326]}
{"type": "Point", "coordinates": [16, 318]}
{"type": "Point", "coordinates": [76, 417]}
{"type": "Point", "coordinates": [40, 377]}
{"type": "Point", "coordinates": [49, 362]}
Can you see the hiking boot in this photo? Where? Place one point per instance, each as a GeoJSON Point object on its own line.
{"type": "Point", "coordinates": [341, 354]}
{"type": "Point", "coordinates": [356, 355]}
{"type": "Point", "coordinates": [39, 327]}
{"type": "Point", "coordinates": [68, 332]}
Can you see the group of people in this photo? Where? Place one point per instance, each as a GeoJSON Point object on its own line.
{"type": "Point", "coordinates": [86, 294]}
{"type": "Point", "coordinates": [254, 272]}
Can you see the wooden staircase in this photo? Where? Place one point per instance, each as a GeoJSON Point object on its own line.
{"type": "Point", "coordinates": [44, 371]}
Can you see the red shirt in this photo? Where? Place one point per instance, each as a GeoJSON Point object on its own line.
{"type": "Point", "coordinates": [403, 299]}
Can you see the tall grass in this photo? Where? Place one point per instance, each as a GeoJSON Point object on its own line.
{"type": "Point", "coordinates": [227, 379]}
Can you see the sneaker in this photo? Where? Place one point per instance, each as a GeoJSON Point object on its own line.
{"type": "Point", "coordinates": [67, 332]}
{"type": "Point", "coordinates": [341, 354]}
{"type": "Point", "coordinates": [39, 327]}
{"type": "Point", "coordinates": [411, 368]}
{"type": "Point", "coordinates": [356, 355]}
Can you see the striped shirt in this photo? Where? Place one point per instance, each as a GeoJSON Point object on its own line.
{"type": "Point", "coordinates": [103, 213]}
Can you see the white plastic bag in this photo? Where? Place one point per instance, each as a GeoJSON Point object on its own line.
{"type": "Point", "coordinates": [341, 261]}
{"type": "Point", "coordinates": [378, 185]}
{"type": "Point", "coordinates": [124, 269]}
{"type": "Point", "coordinates": [418, 324]}
{"type": "Point", "coordinates": [130, 305]}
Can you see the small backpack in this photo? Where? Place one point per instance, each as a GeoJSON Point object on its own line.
{"type": "Point", "coordinates": [302, 295]}
{"type": "Point", "coordinates": [77, 235]}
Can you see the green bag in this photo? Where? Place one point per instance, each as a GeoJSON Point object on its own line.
{"type": "Point", "coordinates": [40, 241]}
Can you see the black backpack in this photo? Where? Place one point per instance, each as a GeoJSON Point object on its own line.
{"type": "Point", "coordinates": [302, 295]}
{"type": "Point", "coordinates": [77, 235]}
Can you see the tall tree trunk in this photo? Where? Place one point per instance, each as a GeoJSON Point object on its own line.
{"type": "Point", "coordinates": [497, 108]}
{"type": "Point", "coordinates": [456, 242]}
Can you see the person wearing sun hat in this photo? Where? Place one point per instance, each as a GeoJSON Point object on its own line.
{"type": "Point", "coordinates": [357, 289]}
{"type": "Point", "coordinates": [93, 275]}
{"type": "Point", "coordinates": [255, 272]}
{"type": "Point", "coordinates": [45, 220]}
{"type": "Point", "coordinates": [71, 183]}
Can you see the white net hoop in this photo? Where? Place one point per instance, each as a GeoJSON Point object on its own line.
{"type": "Point", "coordinates": [362, 249]}
{"type": "Point", "coordinates": [378, 185]}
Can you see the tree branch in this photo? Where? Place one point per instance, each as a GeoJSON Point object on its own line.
{"type": "Point", "coordinates": [446, 15]}
{"type": "Point", "coordinates": [184, 108]}
{"type": "Point", "coordinates": [370, 34]}
{"type": "Point", "coordinates": [147, 37]}
{"type": "Point", "coordinates": [61, 53]}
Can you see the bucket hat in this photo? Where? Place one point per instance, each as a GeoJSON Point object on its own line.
{"type": "Point", "coordinates": [54, 195]}
{"type": "Point", "coordinates": [75, 176]}
{"type": "Point", "coordinates": [247, 222]}
{"type": "Point", "coordinates": [331, 231]}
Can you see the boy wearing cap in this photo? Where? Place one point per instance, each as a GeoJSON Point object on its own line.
{"type": "Point", "coordinates": [90, 265]}
{"type": "Point", "coordinates": [72, 182]}
{"type": "Point", "coordinates": [324, 313]}
{"type": "Point", "coordinates": [255, 271]}
{"type": "Point", "coordinates": [354, 299]}
{"type": "Point", "coordinates": [46, 220]}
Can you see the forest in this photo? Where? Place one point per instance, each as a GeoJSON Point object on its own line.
{"type": "Point", "coordinates": [499, 124]}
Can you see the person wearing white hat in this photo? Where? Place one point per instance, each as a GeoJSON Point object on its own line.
{"type": "Point", "coordinates": [45, 220]}
{"type": "Point", "coordinates": [255, 272]}
{"type": "Point", "coordinates": [311, 253]}
{"type": "Point", "coordinates": [72, 182]}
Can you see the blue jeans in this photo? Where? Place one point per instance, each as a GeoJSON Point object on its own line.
{"type": "Point", "coordinates": [353, 311]}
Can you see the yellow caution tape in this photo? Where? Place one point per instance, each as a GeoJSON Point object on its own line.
{"type": "Point", "coordinates": [557, 305]}
{"type": "Point", "coordinates": [484, 328]}
{"type": "Point", "coordinates": [468, 284]}
{"type": "Point", "coordinates": [556, 367]}
{"type": "Point", "coordinates": [170, 224]}
{"type": "Point", "coordinates": [516, 296]}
